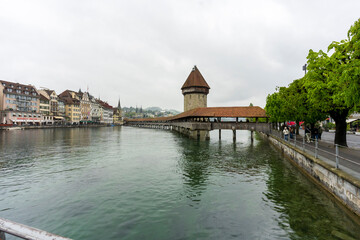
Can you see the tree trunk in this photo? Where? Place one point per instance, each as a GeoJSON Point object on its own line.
{"type": "Point", "coordinates": [297, 127]}
{"type": "Point", "coordinates": [340, 125]}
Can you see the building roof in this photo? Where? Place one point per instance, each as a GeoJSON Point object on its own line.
{"type": "Point", "coordinates": [49, 92]}
{"type": "Point", "coordinates": [104, 104]}
{"type": "Point", "coordinates": [17, 88]}
{"type": "Point", "coordinates": [195, 79]}
{"type": "Point", "coordinates": [228, 112]}
{"type": "Point", "coordinates": [44, 95]}
{"type": "Point", "coordinates": [67, 98]}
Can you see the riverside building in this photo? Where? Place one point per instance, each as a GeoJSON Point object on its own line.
{"type": "Point", "coordinates": [19, 104]}
{"type": "Point", "coordinates": [47, 119]}
{"type": "Point", "coordinates": [72, 106]}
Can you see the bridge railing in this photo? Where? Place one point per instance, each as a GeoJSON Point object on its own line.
{"type": "Point", "coordinates": [25, 232]}
{"type": "Point", "coordinates": [324, 150]}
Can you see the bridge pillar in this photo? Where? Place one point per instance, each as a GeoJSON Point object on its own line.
{"type": "Point", "coordinates": [252, 136]}
{"type": "Point", "coordinates": [220, 134]}
{"type": "Point", "coordinates": [201, 135]}
{"type": "Point", "coordinates": [234, 133]}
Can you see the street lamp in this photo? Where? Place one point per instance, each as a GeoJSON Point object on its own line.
{"type": "Point", "coordinates": [304, 68]}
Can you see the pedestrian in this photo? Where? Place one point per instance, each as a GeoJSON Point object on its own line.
{"type": "Point", "coordinates": [291, 130]}
{"type": "Point", "coordinates": [307, 134]}
{"type": "Point", "coordinates": [320, 132]}
{"type": "Point", "coordinates": [316, 133]}
{"type": "Point", "coordinates": [286, 133]}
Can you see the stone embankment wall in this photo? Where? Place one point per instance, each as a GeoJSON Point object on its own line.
{"type": "Point", "coordinates": [341, 185]}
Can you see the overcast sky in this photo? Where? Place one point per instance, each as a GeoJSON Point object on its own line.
{"type": "Point", "coordinates": [142, 51]}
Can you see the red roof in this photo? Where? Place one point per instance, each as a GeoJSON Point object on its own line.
{"type": "Point", "coordinates": [229, 112]}
{"type": "Point", "coordinates": [104, 104]}
{"type": "Point", "coordinates": [195, 79]}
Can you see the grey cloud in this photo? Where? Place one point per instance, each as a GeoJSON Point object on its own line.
{"type": "Point", "coordinates": [142, 51]}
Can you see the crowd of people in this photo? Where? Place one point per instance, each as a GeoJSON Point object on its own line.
{"type": "Point", "coordinates": [311, 133]}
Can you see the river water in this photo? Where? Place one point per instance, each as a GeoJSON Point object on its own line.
{"type": "Point", "coordinates": [132, 183]}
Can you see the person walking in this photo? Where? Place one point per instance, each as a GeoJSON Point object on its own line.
{"type": "Point", "coordinates": [307, 134]}
{"type": "Point", "coordinates": [286, 133]}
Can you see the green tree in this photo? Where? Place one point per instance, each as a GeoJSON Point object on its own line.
{"type": "Point", "coordinates": [274, 107]}
{"type": "Point", "coordinates": [332, 82]}
{"type": "Point", "coordinates": [291, 104]}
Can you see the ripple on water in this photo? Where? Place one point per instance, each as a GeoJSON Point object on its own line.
{"type": "Point", "coordinates": [130, 183]}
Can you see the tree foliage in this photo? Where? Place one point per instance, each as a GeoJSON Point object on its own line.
{"type": "Point", "coordinates": [331, 87]}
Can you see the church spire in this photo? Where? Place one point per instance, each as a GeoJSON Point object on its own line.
{"type": "Point", "coordinates": [119, 106]}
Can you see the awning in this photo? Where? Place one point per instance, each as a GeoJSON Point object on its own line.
{"type": "Point", "coordinates": [351, 120]}
{"type": "Point", "coordinates": [58, 118]}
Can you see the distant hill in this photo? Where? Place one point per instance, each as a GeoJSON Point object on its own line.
{"type": "Point", "coordinates": [132, 112]}
{"type": "Point", "coordinates": [173, 111]}
{"type": "Point", "coordinates": [153, 109]}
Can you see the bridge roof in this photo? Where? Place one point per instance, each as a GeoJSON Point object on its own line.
{"type": "Point", "coordinates": [195, 79]}
{"type": "Point", "coordinates": [230, 112]}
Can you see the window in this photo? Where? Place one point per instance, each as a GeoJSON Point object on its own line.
{"type": "Point", "coordinates": [9, 90]}
{"type": "Point", "coordinates": [18, 91]}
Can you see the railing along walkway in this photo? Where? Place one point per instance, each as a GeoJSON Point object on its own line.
{"type": "Point", "coordinates": [343, 158]}
{"type": "Point", "coordinates": [25, 232]}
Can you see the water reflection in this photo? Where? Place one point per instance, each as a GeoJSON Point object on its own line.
{"type": "Point", "coordinates": [202, 159]}
{"type": "Point", "coordinates": [305, 211]}
{"type": "Point", "coordinates": [134, 183]}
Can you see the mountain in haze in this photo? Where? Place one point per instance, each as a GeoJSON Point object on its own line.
{"type": "Point", "coordinates": [153, 109]}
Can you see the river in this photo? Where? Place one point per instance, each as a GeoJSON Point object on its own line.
{"type": "Point", "coordinates": [132, 183]}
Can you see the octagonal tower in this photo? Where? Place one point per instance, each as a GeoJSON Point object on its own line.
{"type": "Point", "coordinates": [195, 90]}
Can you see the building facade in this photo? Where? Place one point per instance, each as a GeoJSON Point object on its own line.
{"type": "Point", "coordinates": [95, 110]}
{"type": "Point", "coordinates": [85, 106]}
{"type": "Point", "coordinates": [106, 112]}
{"type": "Point", "coordinates": [44, 107]}
{"type": "Point", "coordinates": [117, 117]}
{"type": "Point", "coordinates": [19, 104]}
{"type": "Point", "coordinates": [72, 106]}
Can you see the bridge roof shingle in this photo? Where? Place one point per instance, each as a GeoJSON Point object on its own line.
{"type": "Point", "coordinates": [229, 112]}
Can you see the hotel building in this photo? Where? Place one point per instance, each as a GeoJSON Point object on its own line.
{"type": "Point", "coordinates": [19, 104]}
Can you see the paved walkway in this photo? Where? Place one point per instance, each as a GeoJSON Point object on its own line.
{"type": "Point", "coordinates": [349, 158]}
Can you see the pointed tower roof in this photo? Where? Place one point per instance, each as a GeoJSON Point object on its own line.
{"type": "Point", "coordinates": [119, 106]}
{"type": "Point", "coordinates": [195, 79]}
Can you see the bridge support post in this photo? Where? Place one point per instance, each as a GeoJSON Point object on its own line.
{"type": "Point", "coordinates": [220, 134]}
{"type": "Point", "coordinates": [252, 136]}
{"type": "Point", "coordinates": [234, 133]}
{"type": "Point", "coordinates": [2, 236]}
{"type": "Point", "coordinates": [199, 134]}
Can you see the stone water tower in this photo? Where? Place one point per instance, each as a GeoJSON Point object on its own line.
{"type": "Point", "coordinates": [195, 90]}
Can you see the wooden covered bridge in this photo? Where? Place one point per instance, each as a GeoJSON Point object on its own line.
{"type": "Point", "coordinates": [196, 123]}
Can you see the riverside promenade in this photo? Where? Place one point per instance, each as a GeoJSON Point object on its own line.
{"type": "Point", "coordinates": [348, 157]}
